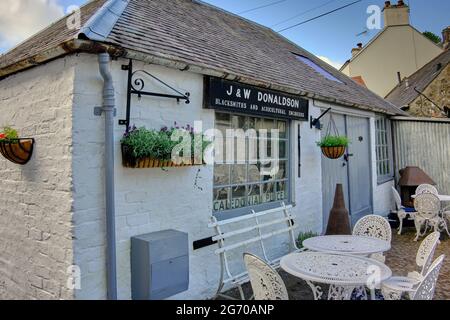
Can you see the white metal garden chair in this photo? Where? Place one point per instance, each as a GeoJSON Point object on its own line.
{"type": "Point", "coordinates": [401, 211]}
{"type": "Point", "coordinates": [376, 227]}
{"type": "Point", "coordinates": [394, 288]}
{"type": "Point", "coordinates": [424, 258]}
{"type": "Point", "coordinates": [266, 283]}
{"type": "Point", "coordinates": [425, 255]}
{"type": "Point", "coordinates": [428, 208]}
{"type": "Point", "coordinates": [426, 188]}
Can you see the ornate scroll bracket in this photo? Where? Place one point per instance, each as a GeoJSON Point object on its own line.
{"type": "Point", "coordinates": [136, 86]}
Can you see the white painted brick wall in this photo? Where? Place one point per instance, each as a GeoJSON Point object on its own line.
{"type": "Point", "coordinates": [36, 199]}
{"type": "Point", "coordinates": [150, 200]}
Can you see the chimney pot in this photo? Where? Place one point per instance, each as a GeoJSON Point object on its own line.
{"type": "Point", "coordinates": [400, 3]}
{"type": "Point", "coordinates": [360, 45]}
{"type": "Point", "coordinates": [387, 4]}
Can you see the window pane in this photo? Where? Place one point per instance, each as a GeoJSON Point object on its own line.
{"type": "Point", "coordinates": [222, 174]}
{"type": "Point", "coordinates": [221, 199]}
{"type": "Point", "coordinates": [268, 193]}
{"type": "Point", "coordinates": [238, 173]}
{"type": "Point", "coordinates": [238, 122]}
{"type": "Point", "coordinates": [223, 122]}
{"type": "Point", "coordinates": [282, 192]}
{"type": "Point", "coordinates": [283, 149]}
{"type": "Point", "coordinates": [254, 174]}
{"type": "Point", "coordinates": [254, 195]}
{"type": "Point", "coordinates": [282, 172]}
{"type": "Point", "coordinates": [282, 129]}
{"type": "Point", "coordinates": [238, 197]}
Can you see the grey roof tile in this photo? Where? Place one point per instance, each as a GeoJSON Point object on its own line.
{"type": "Point", "coordinates": [403, 94]}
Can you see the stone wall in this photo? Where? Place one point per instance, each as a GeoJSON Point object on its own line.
{"type": "Point", "coordinates": [439, 92]}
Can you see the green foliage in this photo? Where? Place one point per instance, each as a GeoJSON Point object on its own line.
{"type": "Point", "coordinates": [433, 37]}
{"type": "Point", "coordinates": [9, 133]}
{"type": "Point", "coordinates": [334, 141]}
{"type": "Point", "coordinates": [158, 144]}
{"type": "Point", "coordinates": [303, 236]}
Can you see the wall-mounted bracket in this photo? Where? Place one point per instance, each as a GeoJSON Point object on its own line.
{"type": "Point", "coordinates": [315, 123]}
{"type": "Point", "coordinates": [98, 111]}
{"type": "Point", "coordinates": [136, 87]}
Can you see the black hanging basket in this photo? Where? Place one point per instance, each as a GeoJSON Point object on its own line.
{"type": "Point", "coordinates": [333, 152]}
{"type": "Point", "coordinates": [18, 151]}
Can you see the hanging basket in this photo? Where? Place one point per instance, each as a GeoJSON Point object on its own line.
{"type": "Point", "coordinates": [18, 151]}
{"type": "Point", "coordinates": [333, 152]}
{"type": "Point", "coordinates": [332, 144]}
{"type": "Point", "coordinates": [129, 161]}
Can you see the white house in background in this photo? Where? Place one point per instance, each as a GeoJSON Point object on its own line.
{"type": "Point", "coordinates": [398, 50]}
{"type": "Point", "coordinates": [53, 210]}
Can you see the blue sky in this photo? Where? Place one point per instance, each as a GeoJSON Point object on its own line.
{"type": "Point", "coordinates": [332, 36]}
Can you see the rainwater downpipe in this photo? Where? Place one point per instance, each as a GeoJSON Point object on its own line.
{"type": "Point", "coordinates": [108, 109]}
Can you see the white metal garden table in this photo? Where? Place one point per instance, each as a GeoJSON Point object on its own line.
{"type": "Point", "coordinates": [347, 244]}
{"type": "Point", "coordinates": [442, 197]}
{"type": "Point", "coordinates": [343, 273]}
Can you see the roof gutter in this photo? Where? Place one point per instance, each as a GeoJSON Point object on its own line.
{"type": "Point", "coordinates": [88, 46]}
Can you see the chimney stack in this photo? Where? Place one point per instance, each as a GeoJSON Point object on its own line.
{"type": "Point", "coordinates": [396, 15]}
{"type": "Point", "coordinates": [356, 50]}
{"type": "Point", "coordinates": [446, 38]}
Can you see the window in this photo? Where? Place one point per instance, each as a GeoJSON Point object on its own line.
{"type": "Point", "coordinates": [317, 68]}
{"type": "Point", "coordinates": [383, 149]}
{"type": "Point", "coordinates": [251, 180]}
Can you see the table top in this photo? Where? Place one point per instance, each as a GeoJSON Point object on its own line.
{"type": "Point", "coordinates": [345, 270]}
{"type": "Point", "coordinates": [347, 244]}
{"type": "Point", "coordinates": [442, 197]}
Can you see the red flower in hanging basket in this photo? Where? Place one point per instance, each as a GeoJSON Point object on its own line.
{"type": "Point", "coordinates": [2, 136]}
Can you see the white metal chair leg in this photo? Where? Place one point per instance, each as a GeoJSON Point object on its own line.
{"type": "Point", "coordinates": [401, 226]}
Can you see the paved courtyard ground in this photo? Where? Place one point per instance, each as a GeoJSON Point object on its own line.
{"type": "Point", "coordinates": [401, 259]}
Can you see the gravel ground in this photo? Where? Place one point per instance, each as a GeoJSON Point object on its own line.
{"type": "Point", "coordinates": [401, 259]}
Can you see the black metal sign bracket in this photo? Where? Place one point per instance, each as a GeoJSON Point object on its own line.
{"type": "Point", "coordinates": [136, 86]}
{"type": "Point", "coordinates": [316, 122]}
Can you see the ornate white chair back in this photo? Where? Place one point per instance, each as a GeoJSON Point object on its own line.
{"type": "Point", "coordinates": [397, 198]}
{"type": "Point", "coordinates": [425, 254]}
{"type": "Point", "coordinates": [266, 282]}
{"type": "Point", "coordinates": [373, 226]}
{"type": "Point", "coordinates": [426, 188]}
{"type": "Point", "coordinates": [427, 205]}
{"type": "Point", "coordinates": [427, 287]}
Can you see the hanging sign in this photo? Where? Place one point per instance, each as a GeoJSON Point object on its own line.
{"type": "Point", "coordinates": [235, 97]}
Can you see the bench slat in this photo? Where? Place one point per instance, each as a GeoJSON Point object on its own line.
{"type": "Point", "coordinates": [253, 240]}
{"type": "Point", "coordinates": [249, 216]}
{"type": "Point", "coordinates": [248, 229]}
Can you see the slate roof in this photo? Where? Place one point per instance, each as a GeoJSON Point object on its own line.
{"type": "Point", "coordinates": [198, 34]}
{"type": "Point", "coordinates": [50, 37]}
{"type": "Point", "coordinates": [403, 94]}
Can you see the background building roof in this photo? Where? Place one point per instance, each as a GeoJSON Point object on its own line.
{"type": "Point", "coordinates": [404, 93]}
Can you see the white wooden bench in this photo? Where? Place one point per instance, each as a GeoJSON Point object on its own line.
{"type": "Point", "coordinates": [227, 241]}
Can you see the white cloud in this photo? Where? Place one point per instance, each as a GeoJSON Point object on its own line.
{"type": "Point", "coordinates": [332, 63]}
{"type": "Point", "coordinates": [20, 19]}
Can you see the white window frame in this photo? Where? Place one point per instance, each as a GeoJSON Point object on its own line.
{"type": "Point", "coordinates": [383, 149]}
{"type": "Point", "coordinates": [233, 213]}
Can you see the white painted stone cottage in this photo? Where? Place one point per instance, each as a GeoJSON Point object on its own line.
{"type": "Point", "coordinates": [52, 210]}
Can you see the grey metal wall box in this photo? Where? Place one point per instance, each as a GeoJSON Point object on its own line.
{"type": "Point", "coordinates": [159, 265]}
